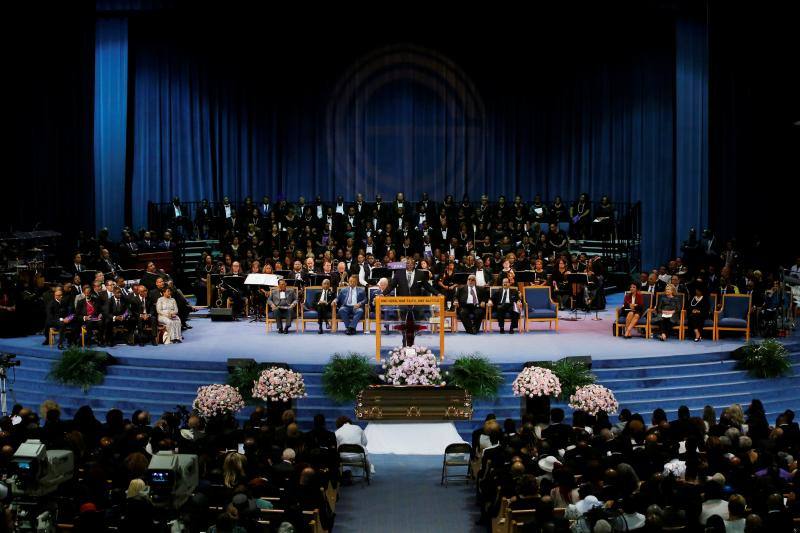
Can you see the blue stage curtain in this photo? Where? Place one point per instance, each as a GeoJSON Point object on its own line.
{"type": "Point", "coordinates": [212, 123]}
{"type": "Point", "coordinates": [691, 126]}
{"type": "Point", "coordinates": [110, 122]}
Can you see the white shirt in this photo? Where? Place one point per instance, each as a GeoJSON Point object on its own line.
{"type": "Point", "coordinates": [470, 291]}
{"type": "Point", "coordinates": [350, 434]}
{"type": "Point", "coordinates": [177, 210]}
{"type": "Point", "coordinates": [228, 211]}
{"type": "Point", "coordinates": [319, 211]}
{"type": "Point", "coordinates": [340, 209]}
{"type": "Point", "coordinates": [712, 507]}
{"type": "Point", "coordinates": [480, 281]}
{"type": "Point", "coordinates": [735, 526]}
{"type": "Point", "coordinates": [362, 274]}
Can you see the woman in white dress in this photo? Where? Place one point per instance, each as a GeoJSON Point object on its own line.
{"type": "Point", "coordinates": [167, 310]}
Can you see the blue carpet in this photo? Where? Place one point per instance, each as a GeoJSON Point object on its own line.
{"type": "Point", "coordinates": [405, 496]}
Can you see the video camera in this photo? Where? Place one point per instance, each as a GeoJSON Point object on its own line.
{"type": "Point", "coordinates": [37, 471]}
{"type": "Point", "coordinates": [172, 478]}
{"type": "Point", "coordinates": [7, 360]}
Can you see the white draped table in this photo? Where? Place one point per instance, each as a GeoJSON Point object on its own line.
{"type": "Point", "coordinates": [410, 438]}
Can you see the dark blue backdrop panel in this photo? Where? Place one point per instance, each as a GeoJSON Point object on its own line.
{"type": "Point", "coordinates": [110, 117]}
{"type": "Point", "coordinates": [413, 119]}
{"type": "Point", "coordinates": [691, 119]}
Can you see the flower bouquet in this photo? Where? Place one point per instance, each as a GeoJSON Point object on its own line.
{"type": "Point", "coordinates": [535, 385]}
{"type": "Point", "coordinates": [536, 381]}
{"type": "Point", "coordinates": [593, 399]}
{"type": "Point", "coordinates": [412, 365]}
{"type": "Point", "coordinates": [217, 400]}
{"type": "Point", "coordinates": [279, 384]}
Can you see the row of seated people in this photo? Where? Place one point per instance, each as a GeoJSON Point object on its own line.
{"type": "Point", "coordinates": [353, 300]}
{"type": "Point", "coordinates": [251, 478]}
{"type": "Point", "coordinates": [442, 273]}
{"type": "Point", "coordinates": [226, 220]}
{"type": "Point", "coordinates": [699, 290]}
{"type": "Point", "coordinates": [735, 472]}
{"type": "Point", "coordinates": [106, 311]}
{"type": "Point", "coordinates": [676, 311]}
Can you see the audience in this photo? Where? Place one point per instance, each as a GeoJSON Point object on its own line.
{"type": "Point", "coordinates": [110, 489]}
{"type": "Point", "coordinates": [595, 475]}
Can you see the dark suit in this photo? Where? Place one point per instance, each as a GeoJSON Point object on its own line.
{"type": "Point", "coordinates": [355, 268]}
{"type": "Point", "coordinates": [558, 435]}
{"type": "Point", "coordinates": [82, 316]}
{"type": "Point", "coordinates": [471, 314]}
{"type": "Point", "coordinates": [115, 308]}
{"type": "Point", "coordinates": [138, 308]}
{"type": "Point", "coordinates": [505, 309]}
{"type": "Point", "coordinates": [324, 308]}
{"type": "Point", "coordinates": [419, 284]}
{"type": "Point", "coordinates": [54, 312]}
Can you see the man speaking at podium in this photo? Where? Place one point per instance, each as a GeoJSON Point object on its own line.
{"type": "Point", "coordinates": [411, 282]}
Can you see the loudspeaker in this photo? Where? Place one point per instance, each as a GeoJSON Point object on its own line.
{"type": "Point", "coordinates": [239, 362]}
{"type": "Point", "coordinates": [585, 359]}
{"type": "Point", "coordinates": [221, 314]}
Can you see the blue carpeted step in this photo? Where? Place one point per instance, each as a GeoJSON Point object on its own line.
{"type": "Point", "coordinates": [729, 376]}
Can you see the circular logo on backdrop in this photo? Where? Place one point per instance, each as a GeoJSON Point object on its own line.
{"type": "Point", "coordinates": [404, 118]}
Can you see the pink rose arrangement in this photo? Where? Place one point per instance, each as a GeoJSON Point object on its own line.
{"type": "Point", "coordinates": [536, 381]}
{"type": "Point", "coordinates": [279, 384]}
{"type": "Point", "coordinates": [217, 400]}
{"type": "Point", "coordinates": [594, 399]}
{"type": "Point", "coordinates": [413, 365]}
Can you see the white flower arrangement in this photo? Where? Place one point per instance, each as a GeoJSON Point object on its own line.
{"type": "Point", "coordinates": [594, 399]}
{"type": "Point", "coordinates": [412, 365]}
{"type": "Point", "coordinates": [536, 381]}
{"type": "Point", "coordinates": [279, 384]}
{"type": "Point", "coordinates": [216, 400]}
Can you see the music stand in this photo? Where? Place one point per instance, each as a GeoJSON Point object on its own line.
{"type": "Point", "coordinates": [260, 280]}
{"type": "Point", "coordinates": [525, 276]}
{"type": "Point", "coordinates": [87, 276]}
{"type": "Point", "coordinates": [579, 279]}
{"type": "Point", "coordinates": [283, 273]}
{"type": "Point", "coordinates": [317, 279]}
{"type": "Point", "coordinates": [148, 279]}
{"type": "Point", "coordinates": [460, 278]}
{"type": "Point", "coordinates": [381, 272]}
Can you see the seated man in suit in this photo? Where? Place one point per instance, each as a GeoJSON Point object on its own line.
{"type": "Point", "coordinates": [323, 304]}
{"type": "Point", "coordinates": [57, 313]}
{"type": "Point", "coordinates": [283, 303]}
{"type": "Point", "coordinates": [470, 301]}
{"type": "Point", "coordinates": [350, 304]}
{"type": "Point", "coordinates": [558, 434]}
{"type": "Point", "coordinates": [116, 313]}
{"type": "Point", "coordinates": [143, 308]}
{"type": "Point", "coordinates": [505, 303]}
{"type": "Point", "coordinates": [89, 313]}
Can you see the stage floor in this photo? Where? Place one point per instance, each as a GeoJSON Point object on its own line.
{"type": "Point", "coordinates": [218, 341]}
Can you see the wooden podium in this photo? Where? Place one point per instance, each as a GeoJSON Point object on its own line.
{"type": "Point", "coordinates": [407, 301]}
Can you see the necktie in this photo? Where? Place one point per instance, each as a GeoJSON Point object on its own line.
{"type": "Point", "coordinates": [474, 295]}
{"type": "Point", "coordinates": [352, 296]}
{"type": "Point", "coordinates": [408, 277]}
{"type": "Point", "coordinates": [505, 297]}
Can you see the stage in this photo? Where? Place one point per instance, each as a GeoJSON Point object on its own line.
{"type": "Point", "coordinates": [209, 341]}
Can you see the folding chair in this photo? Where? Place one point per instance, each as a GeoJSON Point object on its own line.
{"type": "Point", "coordinates": [456, 455]}
{"type": "Point", "coordinates": [360, 461]}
